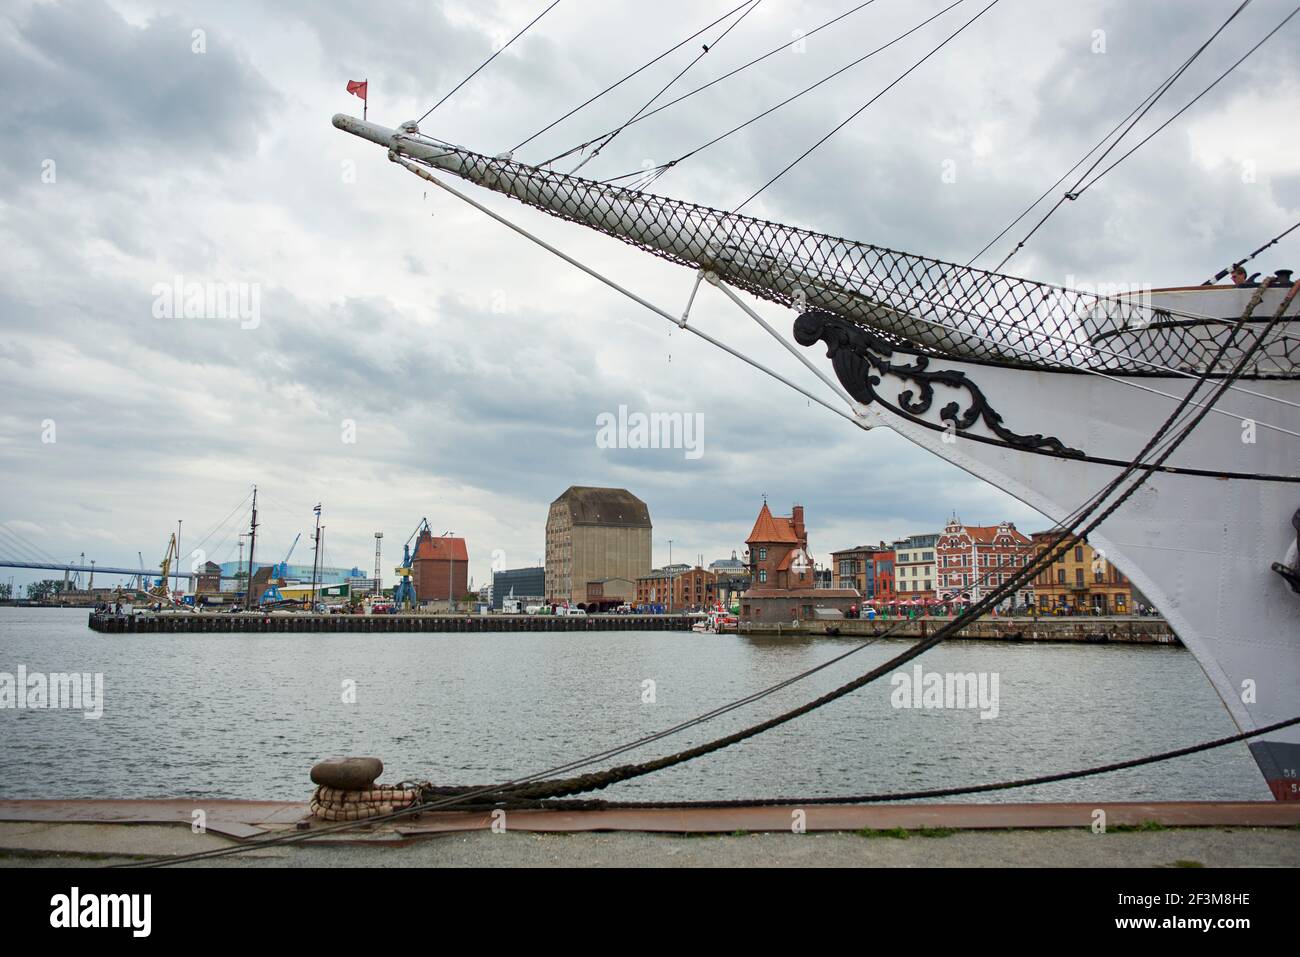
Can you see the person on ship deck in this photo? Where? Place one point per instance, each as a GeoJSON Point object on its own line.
{"type": "Point", "coordinates": [1239, 277]}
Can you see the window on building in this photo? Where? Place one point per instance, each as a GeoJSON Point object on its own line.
{"type": "Point", "coordinates": [1078, 576]}
{"type": "Point", "coordinates": [1060, 576]}
{"type": "Point", "coordinates": [1078, 553]}
{"type": "Point", "coordinates": [762, 576]}
{"type": "Point", "coordinates": [762, 554]}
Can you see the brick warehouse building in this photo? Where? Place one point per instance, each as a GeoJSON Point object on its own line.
{"type": "Point", "coordinates": [679, 589]}
{"type": "Point", "coordinates": [440, 567]}
{"type": "Point", "coordinates": [783, 586]}
{"type": "Point", "coordinates": [972, 560]}
{"type": "Point", "coordinates": [593, 534]}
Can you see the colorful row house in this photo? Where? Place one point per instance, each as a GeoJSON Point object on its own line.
{"type": "Point", "coordinates": [1080, 581]}
{"type": "Point", "coordinates": [973, 560]}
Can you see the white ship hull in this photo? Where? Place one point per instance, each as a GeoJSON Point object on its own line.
{"type": "Point", "coordinates": [1200, 548]}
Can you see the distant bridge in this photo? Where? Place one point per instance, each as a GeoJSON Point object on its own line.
{"type": "Point", "coordinates": [108, 570]}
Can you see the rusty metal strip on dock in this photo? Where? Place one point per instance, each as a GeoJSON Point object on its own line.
{"type": "Point", "coordinates": [876, 817]}
{"type": "Point", "coordinates": [238, 819]}
{"type": "Point", "coordinates": [246, 819]}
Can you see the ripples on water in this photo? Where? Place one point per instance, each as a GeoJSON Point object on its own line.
{"type": "Point", "coordinates": [245, 716]}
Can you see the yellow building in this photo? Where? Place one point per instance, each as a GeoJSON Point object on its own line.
{"type": "Point", "coordinates": [1081, 581]}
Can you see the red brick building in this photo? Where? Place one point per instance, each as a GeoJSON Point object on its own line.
{"type": "Point", "coordinates": [681, 589]}
{"type": "Point", "coordinates": [440, 567]}
{"type": "Point", "coordinates": [783, 584]}
{"type": "Point", "coordinates": [778, 551]}
{"type": "Point", "coordinates": [972, 560]}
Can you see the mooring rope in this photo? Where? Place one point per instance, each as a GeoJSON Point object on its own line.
{"type": "Point", "coordinates": [604, 779]}
{"type": "Point", "coordinates": [884, 797]}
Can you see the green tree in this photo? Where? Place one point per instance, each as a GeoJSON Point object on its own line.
{"type": "Point", "coordinates": [44, 590]}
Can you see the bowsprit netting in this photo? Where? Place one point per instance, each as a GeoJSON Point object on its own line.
{"type": "Point", "coordinates": [912, 302]}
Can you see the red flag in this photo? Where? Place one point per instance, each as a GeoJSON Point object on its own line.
{"type": "Point", "coordinates": [358, 87]}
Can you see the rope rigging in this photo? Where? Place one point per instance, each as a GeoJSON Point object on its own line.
{"type": "Point", "coordinates": [1049, 555]}
{"type": "Point", "coordinates": [495, 54]}
{"type": "Point", "coordinates": [1070, 529]}
{"type": "Point", "coordinates": [698, 57]}
{"type": "Point", "coordinates": [699, 89]}
{"type": "Point", "coordinates": [223, 523]}
{"type": "Point", "coordinates": [918, 795]}
{"type": "Point", "coordinates": [854, 115]}
{"type": "Point", "coordinates": [1074, 192]}
{"type": "Point", "coordinates": [808, 89]}
{"type": "Point", "coordinates": [1187, 415]}
{"type": "Point", "coordinates": [618, 83]}
{"type": "Point", "coordinates": [971, 313]}
{"type": "Point", "coordinates": [1088, 185]}
{"type": "Point", "coordinates": [1241, 262]}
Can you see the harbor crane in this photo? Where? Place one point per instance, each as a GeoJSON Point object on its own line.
{"type": "Point", "coordinates": [173, 556]}
{"type": "Point", "coordinates": [282, 570]}
{"type": "Point", "coordinates": [404, 595]}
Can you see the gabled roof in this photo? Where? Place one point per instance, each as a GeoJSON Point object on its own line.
{"type": "Point", "coordinates": [988, 534]}
{"type": "Point", "coordinates": [769, 529]}
{"type": "Point", "coordinates": [604, 506]}
{"type": "Point", "coordinates": [440, 549]}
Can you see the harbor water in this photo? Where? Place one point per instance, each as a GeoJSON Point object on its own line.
{"type": "Point", "coordinates": [245, 716]}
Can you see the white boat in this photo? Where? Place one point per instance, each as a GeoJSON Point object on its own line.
{"type": "Point", "coordinates": [714, 622]}
{"type": "Point", "coordinates": [1046, 392]}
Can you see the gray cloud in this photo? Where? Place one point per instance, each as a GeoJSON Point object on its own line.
{"type": "Point", "coordinates": [473, 365]}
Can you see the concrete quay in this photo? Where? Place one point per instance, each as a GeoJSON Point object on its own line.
{"type": "Point", "coordinates": [1088, 630]}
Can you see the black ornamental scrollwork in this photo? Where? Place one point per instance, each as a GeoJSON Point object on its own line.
{"type": "Point", "coordinates": [863, 360]}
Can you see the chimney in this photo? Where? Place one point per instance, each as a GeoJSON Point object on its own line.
{"type": "Point", "coordinates": [796, 519]}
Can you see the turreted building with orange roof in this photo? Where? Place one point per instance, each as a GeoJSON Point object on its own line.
{"type": "Point", "coordinates": [783, 586]}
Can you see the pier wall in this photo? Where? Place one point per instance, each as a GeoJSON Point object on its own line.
{"type": "Point", "coordinates": [1087, 630]}
{"type": "Point", "coordinates": [1121, 629]}
{"type": "Point", "coordinates": [200, 622]}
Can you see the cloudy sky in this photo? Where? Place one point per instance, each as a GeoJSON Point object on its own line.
{"type": "Point", "coordinates": [413, 358]}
